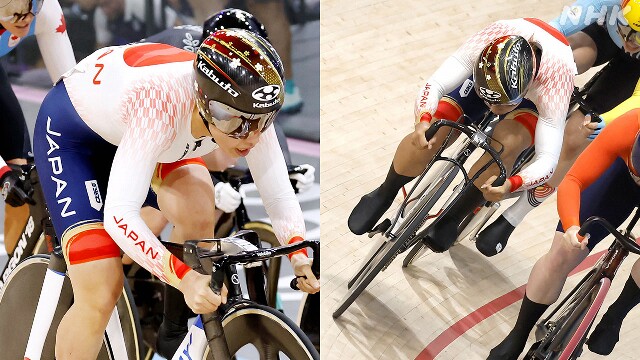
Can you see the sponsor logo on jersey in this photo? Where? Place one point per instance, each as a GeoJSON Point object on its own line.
{"type": "Point", "coordinates": [94, 194]}
{"type": "Point", "coordinates": [202, 66]}
{"type": "Point", "coordinates": [466, 87]}
{"type": "Point", "coordinates": [266, 93]}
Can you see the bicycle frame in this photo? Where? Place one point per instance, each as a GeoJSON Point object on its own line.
{"type": "Point", "coordinates": [475, 138]}
{"type": "Point", "coordinates": [580, 311]}
{"type": "Point", "coordinates": [226, 253]}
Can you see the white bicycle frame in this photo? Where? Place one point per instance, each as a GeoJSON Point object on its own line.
{"type": "Point", "coordinates": [439, 169]}
{"type": "Point", "coordinates": [47, 304]}
{"type": "Point", "coordinates": [194, 344]}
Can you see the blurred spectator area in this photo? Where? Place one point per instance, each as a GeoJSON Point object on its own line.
{"type": "Point", "coordinates": [93, 24]}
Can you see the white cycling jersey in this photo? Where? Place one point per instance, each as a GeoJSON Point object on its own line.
{"type": "Point", "coordinates": [141, 98]}
{"type": "Point", "coordinates": [550, 90]}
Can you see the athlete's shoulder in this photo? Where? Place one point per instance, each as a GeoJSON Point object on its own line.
{"type": "Point", "coordinates": [50, 18]}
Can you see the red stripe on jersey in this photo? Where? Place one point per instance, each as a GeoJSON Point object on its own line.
{"type": "Point", "coordinates": [178, 267]}
{"type": "Point", "coordinates": [448, 109]}
{"type": "Point", "coordinates": [165, 169]}
{"type": "Point", "coordinates": [550, 29]}
{"type": "Point", "coordinates": [91, 245]}
{"type": "Point", "coordinates": [155, 54]}
{"type": "Point", "coordinates": [294, 240]}
{"type": "Point", "coordinates": [516, 182]}
{"type": "Point", "coordinates": [528, 120]}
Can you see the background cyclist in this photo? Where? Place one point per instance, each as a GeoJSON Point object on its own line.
{"type": "Point", "coordinates": [147, 117]}
{"type": "Point", "coordinates": [604, 181]}
{"type": "Point", "coordinates": [531, 60]}
{"type": "Point", "coordinates": [599, 31]}
{"type": "Point", "coordinates": [18, 20]}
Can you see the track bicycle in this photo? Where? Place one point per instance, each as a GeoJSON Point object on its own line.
{"type": "Point", "coordinates": [400, 234]}
{"type": "Point", "coordinates": [242, 321]}
{"type": "Point", "coordinates": [562, 334]}
{"type": "Point", "coordinates": [27, 335]}
{"type": "Point", "coordinates": [148, 290]}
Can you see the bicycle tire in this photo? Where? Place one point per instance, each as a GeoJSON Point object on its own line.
{"type": "Point", "coordinates": [381, 257]}
{"type": "Point", "coordinates": [18, 302]}
{"type": "Point", "coordinates": [268, 330]}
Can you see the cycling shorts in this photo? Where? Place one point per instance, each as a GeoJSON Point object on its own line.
{"type": "Point", "coordinates": [74, 164]}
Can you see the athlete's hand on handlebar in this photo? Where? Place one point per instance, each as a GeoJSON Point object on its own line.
{"type": "Point", "coordinates": [14, 190]}
{"type": "Point", "coordinates": [593, 127]}
{"type": "Point", "coordinates": [418, 136]}
{"type": "Point", "coordinates": [227, 198]}
{"type": "Point", "coordinates": [495, 193]}
{"type": "Point", "coordinates": [303, 182]}
{"type": "Point", "coordinates": [198, 294]}
{"type": "Point", "coordinates": [307, 281]}
{"type": "Point", "coordinates": [575, 241]}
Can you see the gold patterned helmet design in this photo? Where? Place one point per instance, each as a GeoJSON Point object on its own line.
{"type": "Point", "coordinates": [504, 70]}
{"type": "Point", "coordinates": [239, 81]}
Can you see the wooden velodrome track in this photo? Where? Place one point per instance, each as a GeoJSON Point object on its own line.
{"type": "Point", "coordinates": [375, 55]}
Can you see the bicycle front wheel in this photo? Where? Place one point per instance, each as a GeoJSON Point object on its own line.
{"type": "Point", "coordinates": [265, 332]}
{"type": "Point", "coordinates": [18, 303]}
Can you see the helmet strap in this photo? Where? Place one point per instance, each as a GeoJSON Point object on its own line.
{"type": "Point", "coordinates": [206, 124]}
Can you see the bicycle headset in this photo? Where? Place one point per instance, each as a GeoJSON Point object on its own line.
{"type": "Point", "coordinates": [16, 10]}
{"type": "Point", "coordinates": [238, 82]}
{"type": "Point", "coordinates": [504, 70]}
{"type": "Point", "coordinates": [233, 19]}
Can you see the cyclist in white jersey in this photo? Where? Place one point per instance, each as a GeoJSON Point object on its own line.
{"type": "Point", "coordinates": [18, 20]}
{"type": "Point", "coordinates": [531, 61]}
{"type": "Point", "coordinates": [150, 110]}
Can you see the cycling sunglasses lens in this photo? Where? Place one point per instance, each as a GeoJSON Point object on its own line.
{"type": "Point", "coordinates": [236, 123]}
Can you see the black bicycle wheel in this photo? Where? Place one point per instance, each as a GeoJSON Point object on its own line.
{"type": "Point", "coordinates": [389, 249]}
{"type": "Point", "coordinates": [18, 302]}
{"type": "Point", "coordinates": [265, 332]}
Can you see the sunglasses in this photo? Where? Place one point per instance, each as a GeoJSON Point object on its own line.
{"type": "Point", "coordinates": [238, 124]}
{"type": "Point", "coordinates": [628, 34]}
{"type": "Point", "coordinates": [34, 8]}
